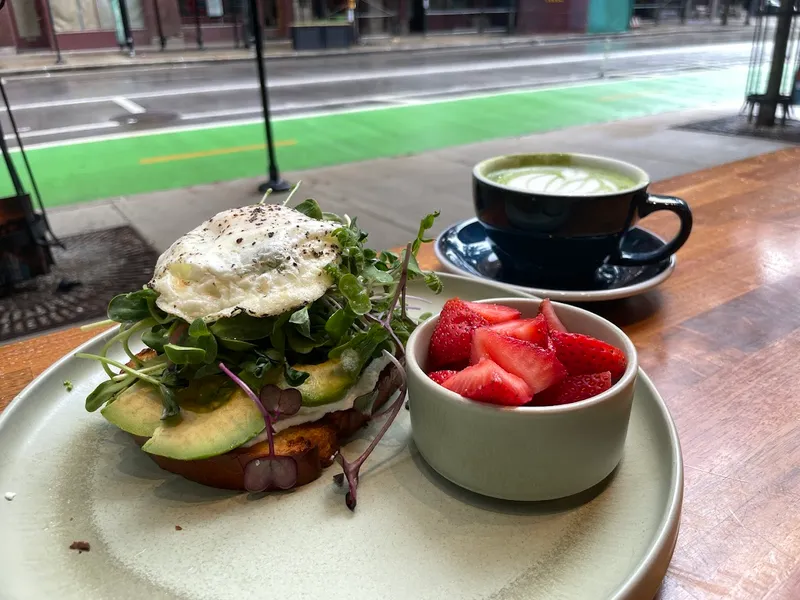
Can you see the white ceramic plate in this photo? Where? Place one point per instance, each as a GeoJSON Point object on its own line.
{"type": "Point", "coordinates": [413, 535]}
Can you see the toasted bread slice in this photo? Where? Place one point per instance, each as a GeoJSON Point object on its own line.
{"type": "Point", "coordinates": [312, 445]}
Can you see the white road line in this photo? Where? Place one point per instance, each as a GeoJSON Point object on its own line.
{"type": "Point", "coordinates": [62, 130]}
{"type": "Point", "coordinates": [213, 114]}
{"type": "Point", "coordinates": [402, 99]}
{"type": "Point", "coordinates": [128, 105]}
{"type": "Point", "coordinates": [70, 74]}
{"type": "Point", "coordinates": [442, 95]}
{"type": "Point", "coordinates": [397, 100]}
{"type": "Point", "coordinates": [285, 82]}
{"type": "Point", "coordinates": [303, 106]}
{"type": "Point", "coordinates": [233, 123]}
{"type": "Point", "coordinates": [136, 95]}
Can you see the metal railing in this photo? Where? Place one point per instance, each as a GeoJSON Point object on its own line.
{"type": "Point", "coordinates": [657, 10]}
{"type": "Point", "coordinates": [482, 10]}
{"type": "Point", "coordinates": [234, 13]}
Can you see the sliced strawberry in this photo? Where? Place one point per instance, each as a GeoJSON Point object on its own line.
{"type": "Point", "coordinates": [441, 376]}
{"type": "Point", "coordinates": [530, 330]}
{"type": "Point", "coordinates": [494, 313]}
{"type": "Point", "coordinates": [546, 309]}
{"type": "Point", "coordinates": [538, 366]}
{"type": "Point", "coordinates": [582, 355]}
{"type": "Point", "coordinates": [487, 382]}
{"type": "Point", "coordinates": [575, 388]}
{"type": "Point", "coordinates": [451, 340]}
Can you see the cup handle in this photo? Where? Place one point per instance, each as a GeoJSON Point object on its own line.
{"type": "Point", "coordinates": [651, 204]}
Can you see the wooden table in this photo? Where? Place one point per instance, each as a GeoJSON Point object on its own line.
{"type": "Point", "coordinates": [721, 340]}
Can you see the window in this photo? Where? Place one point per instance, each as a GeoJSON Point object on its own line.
{"type": "Point", "coordinates": [27, 18]}
{"type": "Point", "coordinates": [92, 15]}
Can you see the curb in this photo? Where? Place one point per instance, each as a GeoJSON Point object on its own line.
{"type": "Point", "coordinates": [367, 50]}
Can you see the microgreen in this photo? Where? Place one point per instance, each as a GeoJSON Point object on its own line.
{"type": "Point", "coordinates": [310, 208]}
{"type": "Point", "coordinates": [265, 196]}
{"type": "Point", "coordinates": [351, 470]}
{"type": "Point", "coordinates": [364, 311]}
{"type": "Point", "coordinates": [291, 194]}
{"type": "Point", "coordinates": [272, 471]}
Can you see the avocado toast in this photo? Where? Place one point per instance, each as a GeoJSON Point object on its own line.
{"type": "Point", "coordinates": [272, 334]}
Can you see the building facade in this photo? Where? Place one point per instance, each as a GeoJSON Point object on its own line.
{"type": "Point", "coordinates": [94, 24]}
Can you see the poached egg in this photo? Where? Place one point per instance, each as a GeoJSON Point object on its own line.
{"type": "Point", "coordinates": [262, 260]}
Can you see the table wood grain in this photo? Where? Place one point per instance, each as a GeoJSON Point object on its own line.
{"type": "Point", "coordinates": [721, 341]}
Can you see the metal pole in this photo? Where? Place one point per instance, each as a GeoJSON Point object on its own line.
{"type": "Point", "coordinates": [161, 37]}
{"type": "Point", "coordinates": [769, 104]}
{"type": "Point", "coordinates": [246, 21]}
{"type": "Point", "coordinates": [57, 48]}
{"type": "Point", "coordinates": [352, 16]}
{"type": "Point", "coordinates": [126, 26]}
{"type": "Point", "coordinates": [712, 11]}
{"type": "Point", "coordinates": [606, 48]}
{"type": "Point", "coordinates": [275, 183]}
{"type": "Point", "coordinates": [12, 169]}
{"type": "Point", "coordinates": [236, 11]}
{"type": "Point", "coordinates": [198, 31]}
{"type": "Point", "coordinates": [686, 10]}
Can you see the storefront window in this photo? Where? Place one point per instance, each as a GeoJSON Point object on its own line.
{"type": "Point", "coordinates": [471, 6]}
{"type": "Point", "coordinates": [71, 16]}
{"type": "Point", "coordinates": [210, 11]}
{"type": "Point", "coordinates": [220, 12]}
{"type": "Point", "coordinates": [27, 19]}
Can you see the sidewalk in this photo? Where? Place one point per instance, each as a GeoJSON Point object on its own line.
{"type": "Point", "coordinates": [389, 195]}
{"type": "Point", "coordinates": [178, 53]}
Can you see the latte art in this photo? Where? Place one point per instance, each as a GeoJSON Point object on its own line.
{"type": "Point", "coordinates": [573, 180]}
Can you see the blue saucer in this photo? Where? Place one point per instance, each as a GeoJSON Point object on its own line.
{"type": "Point", "coordinates": [465, 249]}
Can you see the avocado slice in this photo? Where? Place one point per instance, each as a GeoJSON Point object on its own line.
{"type": "Point", "coordinates": [329, 381]}
{"type": "Point", "coordinates": [136, 410]}
{"type": "Point", "coordinates": [203, 431]}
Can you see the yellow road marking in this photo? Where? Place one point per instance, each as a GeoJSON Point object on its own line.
{"type": "Point", "coordinates": [220, 151]}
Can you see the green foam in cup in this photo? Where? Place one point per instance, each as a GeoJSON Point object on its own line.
{"type": "Point", "coordinates": [559, 175]}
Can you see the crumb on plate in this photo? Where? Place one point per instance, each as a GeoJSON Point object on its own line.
{"type": "Point", "coordinates": [80, 546]}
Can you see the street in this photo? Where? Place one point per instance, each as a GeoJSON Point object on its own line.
{"type": "Point", "coordinates": [55, 109]}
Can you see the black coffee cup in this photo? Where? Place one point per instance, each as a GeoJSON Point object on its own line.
{"type": "Point", "coordinates": [556, 219]}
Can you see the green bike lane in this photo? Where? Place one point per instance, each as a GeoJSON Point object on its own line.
{"type": "Point", "coordinates": [84, 171]}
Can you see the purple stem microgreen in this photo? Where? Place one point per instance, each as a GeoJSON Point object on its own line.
{"type": "Point", "coordinates": [271, 471]}
{"type": "Point", "coordinates": [401, 287]}
{"type": "Point", "coordinates": [395, 339]}
{"type": "Point", "coordinates": [403, 304]}
{"type": "Point", "coordinates": [350, 470]}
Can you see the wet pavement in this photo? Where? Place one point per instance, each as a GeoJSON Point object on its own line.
{"type": "Point", "coordinates": [59, 107]}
